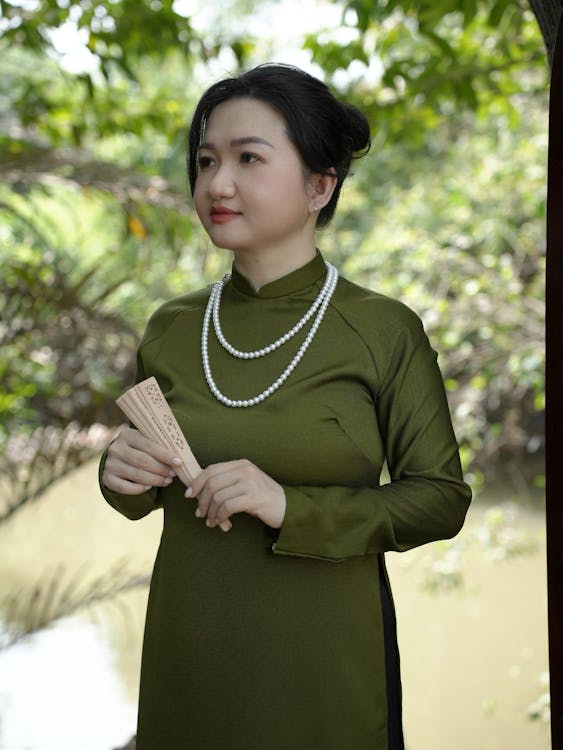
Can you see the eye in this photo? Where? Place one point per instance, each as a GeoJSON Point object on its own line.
{"type": "Point", "coordinates": [205, 161]}
{"type": "Point", "coordinates": [247, 158]}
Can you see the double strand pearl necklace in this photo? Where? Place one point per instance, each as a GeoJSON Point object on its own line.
{"type": "Point", "coordinates": [212, 313]}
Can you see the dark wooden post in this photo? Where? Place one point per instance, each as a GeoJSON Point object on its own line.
{"type": "Point", "coordinates": [547, 16]}
{"type": "Point", "coordinates": [554, 392]}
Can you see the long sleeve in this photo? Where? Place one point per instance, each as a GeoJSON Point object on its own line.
{"type": "Point", "coordinates": [131, 506]}
{"type": "Point", "coordinates": [426, 499]}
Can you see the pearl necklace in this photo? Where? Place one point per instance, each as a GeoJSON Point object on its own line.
{"type": "Point", "coordinates": [212, 313]}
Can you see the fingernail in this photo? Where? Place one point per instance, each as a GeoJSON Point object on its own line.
{"type": "Point", "coordinates": [147, 487]}
{"type": "Point", "coordinates": [208, 524]}
{"type": "Point", "coordinates": [172, 473]}
{"type": "Point", "coordinates": [177, 461]}
{"type": "Point", "coordinates": [198, 513]}
{"type": "Point", "coordinates": [168, 481]}
{"type": "Point", "coordinates": [188, 492]}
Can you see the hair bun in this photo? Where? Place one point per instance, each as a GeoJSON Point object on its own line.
{"type": "Point", "coordinates": [357, 129]}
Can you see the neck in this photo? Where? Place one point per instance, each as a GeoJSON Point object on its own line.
{"type": "Point", "coordinates": [264, 267]}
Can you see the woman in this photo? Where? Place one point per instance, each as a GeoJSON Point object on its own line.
{"type": "Point", "coordinates": [292, 386]}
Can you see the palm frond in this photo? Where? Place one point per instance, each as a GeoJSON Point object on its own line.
{"type": "Point", "coordinates": [31, 463]}
{"type": "Point", "coordinates": [58, 595]}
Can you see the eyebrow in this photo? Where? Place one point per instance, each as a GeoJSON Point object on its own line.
{"type": "Point", "coordinates": [240, 142]}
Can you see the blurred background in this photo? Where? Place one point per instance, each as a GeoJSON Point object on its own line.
{"type": "Point", "coordinates": [447, 213]}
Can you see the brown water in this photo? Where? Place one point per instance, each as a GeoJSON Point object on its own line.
{"type": "Point", "coordinates": [471, 656]}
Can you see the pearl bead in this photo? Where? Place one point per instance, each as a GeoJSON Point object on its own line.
{"type": "Point", "coordinates": [212, 313]}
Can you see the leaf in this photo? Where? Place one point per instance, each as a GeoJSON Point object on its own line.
{"type": "Point", "coordinates": [364, 10]}
{"type": "Point", "coordinates": [136, 227]}
{"type": "Point", "coordinates": [442, 44]}
{"type": "Point", "coordinates": [469, 11]}
{"type": "Point", "coordinates": [497, 12]}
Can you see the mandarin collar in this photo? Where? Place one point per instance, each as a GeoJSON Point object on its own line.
{"type": "Point", "coordinates": [292, 282]}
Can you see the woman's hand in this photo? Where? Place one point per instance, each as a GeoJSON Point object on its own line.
{"type": "Point", "coordinates": [237, 487]}
{"type": "Point", "coordinates": [134, 464]}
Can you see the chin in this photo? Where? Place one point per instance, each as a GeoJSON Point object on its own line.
{"type": "Point", "coordinates": [225, 243]}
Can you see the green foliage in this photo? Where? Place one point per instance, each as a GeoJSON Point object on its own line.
{"type": "Point", "coordinates": [422, 62]}
{"type": "Point", "coordinates": [137, 70]}
{"type": "Point", "coordinates": [81, 276]}
{"type": "Point", "coordinates": [117, 34]}
{"type": "Point", "coordinates": [459, 236]}
{"type": "Point", "coordinates": [61, 347]}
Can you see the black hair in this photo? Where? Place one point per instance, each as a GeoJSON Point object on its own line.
{"type": "Point", "coordinates": [327, 132]}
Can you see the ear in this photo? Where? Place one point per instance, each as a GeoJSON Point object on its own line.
{"type": "Point", "coordinates": [320, 188]}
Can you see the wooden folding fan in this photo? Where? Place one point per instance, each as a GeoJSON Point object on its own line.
{"type": "Point", "coordinates": [144, 404]}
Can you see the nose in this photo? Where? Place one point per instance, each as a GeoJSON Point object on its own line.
{"type": "Point", "coordinates": [222, 183]}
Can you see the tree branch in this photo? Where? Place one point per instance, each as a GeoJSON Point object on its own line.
{"type": "Point", "coordinates": [46, 166]}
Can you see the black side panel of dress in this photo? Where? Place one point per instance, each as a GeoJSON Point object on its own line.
{"type": "Point", "coordinates": [392, 665]}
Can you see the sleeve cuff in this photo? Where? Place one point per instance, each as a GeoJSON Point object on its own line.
{"type": "Point", "coordinates": [302, 530]}
{"type": "Point", "coordinates": [133, 507]}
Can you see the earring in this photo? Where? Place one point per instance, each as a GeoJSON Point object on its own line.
{"type": "Point", "coordinates": [316, 208]}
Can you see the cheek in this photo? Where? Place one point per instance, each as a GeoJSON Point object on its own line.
{"type": "Point", "coordinates": [199, 199]}
{"type": "Point", "coordinates": [290, 192]}
{"type": "Point", "coordinates": [286, 183]}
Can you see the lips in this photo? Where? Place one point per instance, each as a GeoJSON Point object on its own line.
{"type": "Point", "coordinates": [221, 214]}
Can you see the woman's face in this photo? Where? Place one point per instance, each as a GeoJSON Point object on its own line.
{"type": "Point", "coordinates": [251, 190]}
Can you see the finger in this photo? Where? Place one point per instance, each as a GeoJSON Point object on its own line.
{"type": "Point", "coordinates": [123, 486]}
{"type": "Point", "coordinates": [214, 485]}
{"type": "Point", "coordinates": [143, 461]}
{"type": "Point", "coordinates": [225, 525]}
{"type": "Point", "coordinates": [214, 470]}
{"type": "Point", "coordinates": [139, 476]}
{"type": "Point", "coordinates": [238, 504]}
{"type": "Point", "coordinates": [160, 453]}
{"type": "Point", "coordinates": [198, 483]}
{"type": "Point", "coordinates": [231, 492]}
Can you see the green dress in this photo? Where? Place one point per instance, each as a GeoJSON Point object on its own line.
{"type": "Point", "coordinates": [261, 639]}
